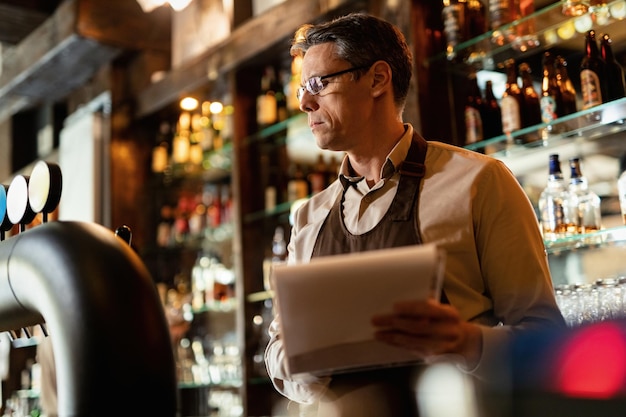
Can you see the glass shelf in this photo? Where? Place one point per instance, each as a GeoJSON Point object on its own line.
{"type": "Point", "coordinates": [605, 237]}
{"type": "Point", "coordinates": [590, 124]}
{"type": "Point", "coordinates": [552, 27]}
{"type": "Point", "coordinates": [215, 167]}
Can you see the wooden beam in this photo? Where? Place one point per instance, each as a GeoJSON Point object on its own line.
{"type": "Point", "coordinates": [251, 39]}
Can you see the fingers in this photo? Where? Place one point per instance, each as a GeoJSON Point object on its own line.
{"type": "Point", "coordinates": [424, 327]}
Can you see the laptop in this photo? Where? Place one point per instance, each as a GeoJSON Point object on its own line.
{"type": "Point", "coordinates": [324, 306]}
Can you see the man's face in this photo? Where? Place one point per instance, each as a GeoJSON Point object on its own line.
{"type": "Point", "coordinates": [337, 114]}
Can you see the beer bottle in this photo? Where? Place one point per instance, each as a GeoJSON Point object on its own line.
{"type": "Point", "coordinates": [592, 73]}
{"type": "Point", "coordinates": [615, 84]}
{"type": "Point", "coordinates": [473, 109]}
{"type": "Point", "coordinates": [492, 116]}
{"type": "Point", "coordinates": [551, 96]}
{"type": "Point", "coordinates": [568, 91]}
{"type": "Point", "coordinates": [531, 110]}
{"type": "Point", "coordinates": [511, 102]}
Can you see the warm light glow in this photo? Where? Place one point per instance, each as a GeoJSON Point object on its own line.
{"type": "Point", "coordinates": [179, 5]}
{"type": "Point", "coordinates": [189, 103]}
{"type": "Point", "coordinates": [216, 107]}
{"type": "Point", "coordinates": [618, 9]}
{"type": "Point", "coordinates": [583, 23]}
{"type": "Point", "coordinates": [148, 5]}
{"type": "Point", "coordinates": [566, 31]}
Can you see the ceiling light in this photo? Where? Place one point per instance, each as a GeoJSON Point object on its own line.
{"type": "Point", "coordinates": [148, 5]}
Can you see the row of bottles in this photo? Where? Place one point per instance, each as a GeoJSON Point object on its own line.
{"type": "Point", "coordinates": [303, 180]}
{"type": "Point", "coordinates": [466, 19]}
{"type": "Point", "coordinates": [277, 99]}
{"type": "Point", "coordinates": [201, 129]}
{"type": "Point", "coordinates": [522, 105]}
{"type": "Point", "coordinates": [196, 215]}
{"type": "Point", "coordinates": [601, 76]}
{"type": "Point", "coordinates": [568, 208]}
{"type": "Point", "coordinates": [212, 283]}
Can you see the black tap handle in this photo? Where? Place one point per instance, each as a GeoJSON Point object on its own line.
{"type": "Point", "coordinates": [124, 233]}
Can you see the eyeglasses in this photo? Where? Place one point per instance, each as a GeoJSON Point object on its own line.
{"type": "Point", "coordinates": [315, 85]}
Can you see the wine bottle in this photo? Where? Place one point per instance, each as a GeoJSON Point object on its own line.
{"type": "Point", "coordinates": [531, 110]}
{"type": "Point", "coordinates": [551, 95]}
{"type": "Point", "coordinates": [492, 116]}
{"type": "Point", "coordinates": [615, 84]}
{"type": "Point", "coordinates": [553, 208]}
{"type": "Point", "coordinates": [511, 102]}
{"type": "Point", "coordinates": [568, 91]}
{"type": "Point", "coordinates": [473, 110]}
{"type": "Point", "coordinates": [584, 203]}
{"type": "Point", "coordinates": [266, 103]}
{"type": "Point", "coordinates": [592, 73]}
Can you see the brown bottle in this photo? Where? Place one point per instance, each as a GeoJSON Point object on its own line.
{"type": "Point", "coordinates": [473, 112]}
{"type": "Point", "coordinates": [551, 96]}
{"type": "Point", "coordinates": [616, 86]}
{"type": "Point", "coordinates": [492, 115]}
{"type": "Point", "coordinates": [511, 102]}
{"type": "Point", "coordinates": [531, 111]}
{"type": "Point", "coordinates": [592, 73]}
{"type": "Point", "coordinates": [568, 91]}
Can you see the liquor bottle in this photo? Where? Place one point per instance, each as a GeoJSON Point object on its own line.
{"type": "Point", "coordinates": [477, 18]}
{"type": "Point", "coordinates": [293, 104]}
{"type": "Point", "coordinates": [568, 91]}
{"type": "Point", "coordinates": [266, 103]}
{"type": "Point", "coordinates": [584, 204]}
{"type": "Point", "coordinates": [454, 15]}
{"type": "Point", "coordinates": [161, 152]}
{"type": "Point", "coordinates": [462, 20]}
{"type": "Point", "coordinates": [297, 186]}
{"type": "Point", "coordinates": [531, 110]}
{"type": "Point", "coordinates": [473, 110]}
{"type": "Point", "coordinates": [592, 73]}
{"type": "Point", "coordinates": [492, 116]}
{"type": "Point", "coordinates": [318, 175]}
{"type": "Point", "coordinates": [621, 186]}
{"type": "Point", "coordinates": [551, 95]}
{"type": "Point", "coordinates": [511, 102]}
{"type": "Point", "coordinates": [279, 255]}
{"type": "Point", "coordinates": [553, 208]}
{"type": "Point", "coordinates": [615, 84]}
{"type": "Point", "coordinates": [502, 12]}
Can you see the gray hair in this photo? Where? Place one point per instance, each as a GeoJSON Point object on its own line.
{"type": "Point", "coordinates": [361, 40]}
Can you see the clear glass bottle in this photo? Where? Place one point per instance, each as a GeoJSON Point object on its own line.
{"type": "Point", "coordinates": [553, 206]}
{"type": "Point", "coordinates": [584, 204]}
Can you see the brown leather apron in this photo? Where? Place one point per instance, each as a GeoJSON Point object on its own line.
{"type": "Point", "coordinates": [385, 392]}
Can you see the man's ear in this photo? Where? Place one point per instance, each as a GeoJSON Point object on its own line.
{"type": "Point", "coordinates": [382, 78]}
